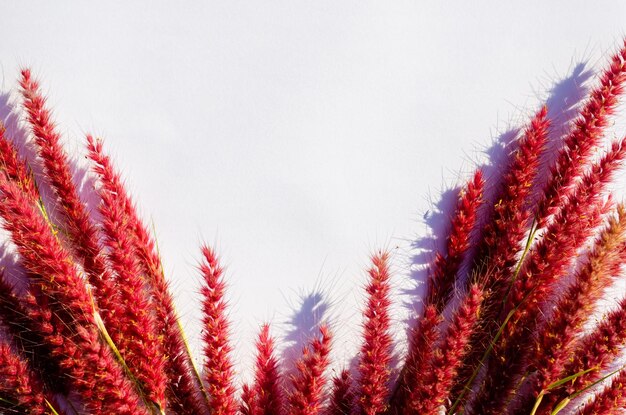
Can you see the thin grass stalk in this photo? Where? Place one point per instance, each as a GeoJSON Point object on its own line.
{"type": "Point", "coordinates": [611, 400]}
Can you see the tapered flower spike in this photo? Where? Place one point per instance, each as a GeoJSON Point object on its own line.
{"type": "Point", "coordinates": [218, 368]}
{"type": "Point", "coordinates": [504, 235]}
{"type": "Point", "coordinates": [433, 390]}
{"type": "Point", "coordinates": [559, 334]}
{"type": "Point", "coordinates": [182, 391]}
{"type": "Point", "coordinates": [548, 261]}
{"type": "Point", "coordinates": [66, 314]}
{"type": "Point", "coordinates": [610, 401]}
{"type": "Point", "coordinates": [58, 172]}
{"type": "Point", "coordinates": [268, 387]}
{"type": "Point", "coordinates": [20, 389]}
{"type": "Point", "coordinates": [445, 268]}
{"type": "Point", "coordinates": [307, 390]}
{"type": "Point", "coordinates": [134, 329]}
{"type": "Point", "coordinates": [375, 357]}
{"type": "Point", "coordinates": [423, 340]}
{"type": "Point", "coordinates": [585, 137]}
{"type": "Point", "coordinates": [342, 395]}
{"type": "Point", "coordinates": [247, 406]}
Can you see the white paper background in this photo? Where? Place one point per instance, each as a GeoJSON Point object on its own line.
{"type": "Point", "coordinates": [296, 136]}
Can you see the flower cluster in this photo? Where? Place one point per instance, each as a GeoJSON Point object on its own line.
{"type": "Point", "coordinates": [90, 325]}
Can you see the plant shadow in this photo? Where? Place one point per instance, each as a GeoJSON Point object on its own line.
{"type": "Point", "coordinates": [563, 101]}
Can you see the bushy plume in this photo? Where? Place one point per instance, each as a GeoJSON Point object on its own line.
{"type": "Point", "coordinates": [446, 266]}
{"type": "Point", "coordinates": [306, 395]}
{"type": "Point", "coordinates": [218, 368]}
{"type": "Point", "coordinates": [342, 395]}
{"type": "Point", "coordinates": [266, 396]}
{"type": "Point", "coordinates": [548, 261]}
{"type": "Point", "coordinates": [375, 357]}
{"type": "Point", "coordinates": [503, 236]}
{"type": "Point", "coordinates": [423, 340]}
{"type": "Point", "coordinates": [433, 391]}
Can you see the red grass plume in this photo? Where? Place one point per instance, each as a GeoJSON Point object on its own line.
{"type": "Point", "coordinates": [266, 396]}
{"type": "Point", "coordinates": [342, 395]}
{"type": "Point", "coordinates": [433, 391]}
{"type": "Point", "coordinates": [58, 172]}
{"type": "Point", "coordinates": [307, 384]}
{"type": "Point", "coordinates": [445, 267]}
{"type": "Point", "coordinates": [218, 368]}
{"type": "Point", "coordinates": [377, 345]}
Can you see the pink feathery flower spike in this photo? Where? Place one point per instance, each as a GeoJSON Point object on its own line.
{"type": "Point", "coordinates": [59, 174]}
{"type": "Point", "coordinates": [506, 231]}
{"type": "Point", "coordinates": [66, 315]}
{"type": "Point", "coordinates": [585, 138]}
{"type": "Point", "coordinates": [218, 368]}
{"type": "Point", "coordinates": [20, 390]}
{"type": "Point", "coordinates": [375, 357]}
{"type": "Point", "coordinates": [342, 395]}
{"type": "Point", "coordinates": [433, 391]}
{"type": "Point", "coordinates": [247, 405]}
{"type": "Point", "coordinates": [267, 390]}
{"type": "Point", "coordinates": [307, 390]}
{"type": "Point", "coordinates": [423, 339]}
{"type": "Point", "coordinates": [182, 390]}
{"type": "Point", "coordinates": [445, 268]}
{"type": "Point", "coordinates": [134, 329]}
